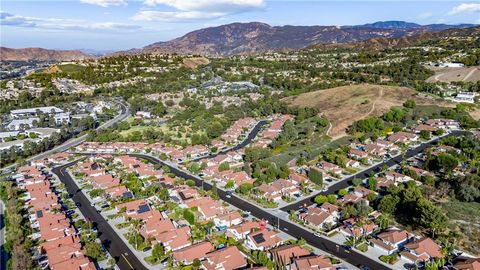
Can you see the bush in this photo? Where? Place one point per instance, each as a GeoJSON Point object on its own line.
{"type": "Point", "coordinates": [190, 183]}
{"type": "Point", "coordinates": [363, 247]}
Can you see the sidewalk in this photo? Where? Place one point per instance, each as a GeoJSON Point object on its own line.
{"type": "Point", "coordinates": [104, 263]}
{"type": "Point", "coordinates": [120, 232]}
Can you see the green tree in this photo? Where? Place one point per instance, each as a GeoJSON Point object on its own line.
{"type": "Point", "coordinates": [332, 198]}
{"type": "Point", "coordinates": [425, 134]}
{"type": "Point", "coordinates": [320, 199]}
{"type": "Point", "coordinates": [356, 181]}
{"type": "Point", "coordinates": [315, 176]}
{"type": "Point", "coordinates": [94, 251]}
{"type": "Point", "coordinates": [342, 192]}
{"type": "Point", "coordinates": [410, 103]}
{"type": "Point", "coordinates": [372, 183]}
{"type": "Point", "coordinates": [158, 252]}
{"type": "Point", "coordinates": [230, 184]}
{"type": "Point", "coordinates": [430, 216]}
{"type": "Point", "coordinates": [224, 166]}
{"type": "Point", "coordinates": [388, 204]}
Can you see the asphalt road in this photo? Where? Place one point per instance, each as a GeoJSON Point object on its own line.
{"type": "Point", "coordinates": [251, 136]}
{"type": "Point", "coordinates": [112, 242]}
{"type": "Point", "coordinates": [366, 173]}
{"type": "Point", "coordinates": [352, 257]}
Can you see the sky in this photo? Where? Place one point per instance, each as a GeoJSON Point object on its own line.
{"type": "Point", "coordinates": [107, 25]}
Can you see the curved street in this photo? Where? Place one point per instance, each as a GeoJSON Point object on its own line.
{"type": "Point", "coordinates": [112, 242]}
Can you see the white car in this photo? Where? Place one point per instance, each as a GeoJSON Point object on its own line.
{"type": "Point", "coordinates": [325, 189]}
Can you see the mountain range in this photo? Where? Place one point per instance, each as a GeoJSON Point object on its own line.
{"type": "Point", "coordinates": [40, 54]}
{"type": "Point", "coordinates": [257, 37]}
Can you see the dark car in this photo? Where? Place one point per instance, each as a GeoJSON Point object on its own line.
{"type": "Point", "coordinates": [78, 204]}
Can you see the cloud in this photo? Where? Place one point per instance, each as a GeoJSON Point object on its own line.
{"type": "Point", "coordinates": [425, 15]}
{"type": "Point", "coordinates": [167, 16]}
{"type": "Point", "coordinates": [188, 10]}
{"type": "Point", "coordinates": [465, 8]}
{"type": "Point", "coordinates": [105, 3]}
{"type": "Point", "coordinates": [9, 19]}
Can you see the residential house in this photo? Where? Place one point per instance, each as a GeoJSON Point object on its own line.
{"type": "Point", "coordinates": [263, 240]}
{"type": "Point", "coordinates": [187, 255]}
{"type": "Point", "coordinates": [390, 241]}
{"type": "Point", "coordinates": [225, 259]}
{"type": "Point", "coordinates": [421, 250]}
{"type": "Point", "coordinates": [313, 263]}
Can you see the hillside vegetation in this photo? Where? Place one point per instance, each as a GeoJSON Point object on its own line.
{"type": "Point", "coordinates": [347, 104]}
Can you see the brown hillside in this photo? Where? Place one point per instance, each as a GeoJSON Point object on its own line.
{"type": "Point", "coordinates": [347, 104]}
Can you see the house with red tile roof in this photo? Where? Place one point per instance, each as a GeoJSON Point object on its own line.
{"type": "Point", "coordinates": [362, 192]}
{"type": "Point", "coordinates": [227, 220]}
{"type": "Point", "coordinates": [297, 178]}
{"type": "Point", "coordinates": [154, 226]}
{"type": "Point", "coordinates": [357, 154]}
{"type": "Point", "coordinates": [117, 192]}
{"type": "Point", "coordinates": [286, 255]}
{"type": "Point", "coordinates": [318, 217]}
{"type": "Point", "coordinates": [138, 209]}
{"type": "Point", "coordinates": [208, 208]}
{"type": "Point", "coordinates": [174, 239]}
{"type": "Point", "coordinates": [419, 172]}
{"type": "Point", "coordinates": [375, 150]}
{"type": "Point", "coordinates": [281, 187]}
{"type": "Point", "coordinates": [241, 231]}
{"type": "Point", "coordinates": [350, 228]}
{"type": "Point", "coordinates": [330, 167]}
{"type": "Point", "coordinates": [397, 177]}
{"type": "Point", "coordinates": [263, 240]}
{"type": "Point", "coordinates": [104, 181]}
{"type": "Point", "coordinates": [402, 137]}
{"type": "Point", "coordinates": [81, 263]}
{"type": "Point", "coordinates": [422, 250]}
{"type": "Point", "coordinates": [350, 198]}
{"type": "Point", "coordinates": [225, 258]}
{"type": "Point", "coordinates": [187, 255]}
{"type": "Point", "coordinates": [390, 241]}
{"type": "Point", "coordinates": [384, 183]}
{"type": "Point", "coordinates": [465, 263]}
{"type": "Point", "coordinates": [313, 263]}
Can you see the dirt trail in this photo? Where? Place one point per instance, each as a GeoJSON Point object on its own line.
{"type": "Point", "coordinates": [469, 74]}
{"type": "Point", "coordinates": [364, 116]}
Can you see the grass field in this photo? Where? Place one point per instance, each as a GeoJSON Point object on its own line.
{"type": "Point", "coordinates": [347, 104]}
{"type": "Point", "coordinates": [138, 128]}
{"type": "Point", "coordinates": [313, 148]}
{"type": "Point", "coordinates": [465, 74]}
{"type": "Point", "coordinates": [71, 68]}
{"type": "Point", "coordinates": [465, 220]}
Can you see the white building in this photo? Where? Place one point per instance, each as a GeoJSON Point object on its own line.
{"type": "Point", "coordinates": [467, 97]}
{"type": "Point", "coordinates": [451, 65]}
{"type": "Point", "coordinates": [18, 124]}
{"type": "Point", "coordinates": [21, 113]}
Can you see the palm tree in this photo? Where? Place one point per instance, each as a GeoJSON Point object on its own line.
{"type": "Point", "coordinates": [136, 224]}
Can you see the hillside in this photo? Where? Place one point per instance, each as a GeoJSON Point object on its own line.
{"type": "Point", "coordinates": [256, 37]}
{"type": "Point", "coordinates": [404, 41]}
{"type": "Point", "coordinates": [347, 104]}
{"type": "Point", "coordinates": [39, 54]}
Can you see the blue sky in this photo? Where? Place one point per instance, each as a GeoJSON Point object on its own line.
{"type": "Point", "coordinates": [123, 24]}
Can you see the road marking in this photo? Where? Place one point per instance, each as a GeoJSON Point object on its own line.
{"type": "Point", "coordinates": [131, 267]}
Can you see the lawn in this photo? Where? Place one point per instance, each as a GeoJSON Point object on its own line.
{"type": "Point", "coordinates": [71, 68]}
{"type": "Point", "coordinates": [314, 148]}
{"type": "Point", "coordinates": [139, 128]}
